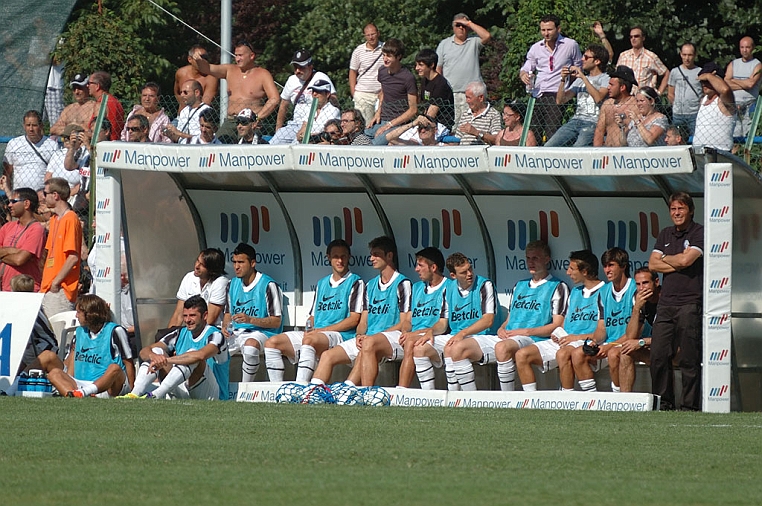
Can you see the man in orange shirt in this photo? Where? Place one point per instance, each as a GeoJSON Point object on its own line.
{"type": "Point", "coordinates": [60, 273]}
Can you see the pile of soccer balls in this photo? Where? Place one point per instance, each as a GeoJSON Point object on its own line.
{"type": "Point", "coordinates": [337, 393]}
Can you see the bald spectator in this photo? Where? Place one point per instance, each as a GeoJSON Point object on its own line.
{"type": "Point", "coordinates": [209, 84]}
{"type": "Point", "coordinates": [149, 107]}
{"type": "Point", "coordinates": [363, 73]}
{"type": "Point", "coordinates": [188, 121]}
{"type": "Point", "coordinates": [249, 86]}
{"type": "Point", "coordinates": [743, 76]}
{"type": "Point", "coordinates": [644, 63]}
{"type": "Point", "coordinates": [481, 122]}
{"type": "Point", "coordinates": [99, 85]}
{"type": "Point", "coordinates": [80, 111]}
{"type": "Point", "coordinates": [27, 156]}
{"type": "Point", "coordinates": [458, 60]}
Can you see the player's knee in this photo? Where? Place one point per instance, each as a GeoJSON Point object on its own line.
{"type": "Point", "coordinates": [275, 341]}
{"type": "Point", "coordinates": [253, 342]}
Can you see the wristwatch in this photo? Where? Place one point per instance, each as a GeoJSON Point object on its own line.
{"type": "Point", "coordinates": [641, 342]}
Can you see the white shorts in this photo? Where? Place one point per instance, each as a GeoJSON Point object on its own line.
{"type": "Point", "coordinates": [102, 395]}
{"type": "Point", "coordinates": [350, 348]}
{"type": "Point", "coordinates": [487, 344]}
{"type": "Point", "coordinates": [393, 336]}
{"type": "Point", "coordinates": [205, 389]}
{"type": "Point", "coordinates": [296, 337]}
{"type": "Point", "coordinates": [239, 337]}
{"type": "Point", "coordinates": [439, 345]}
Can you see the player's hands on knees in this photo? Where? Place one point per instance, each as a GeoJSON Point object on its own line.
{"type": "Point", "coordinates": [359, 338]}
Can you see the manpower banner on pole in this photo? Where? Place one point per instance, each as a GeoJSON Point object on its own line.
{"type": "Point", "coordinates": [108, 216]}
{"type": "Point", "coordinates": [718, 256]}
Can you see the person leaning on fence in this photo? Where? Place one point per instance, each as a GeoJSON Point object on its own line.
{"type": "Point", "coordinates": [591, 88]}
{"type": "Point", "coordinates": [399, 96]}
{"type": "Point", "coordinates": [481, 122]}
{"type": "Point", "coordinates": [149, 107]}
{"type": "Point", "coordinates": [353, 128]}
{"type": "Point", "coordinates": [26, 157]}
{"type": "Point", "coordinates": [435, 92]}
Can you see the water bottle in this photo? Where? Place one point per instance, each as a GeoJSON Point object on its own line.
{"type": "Point", "coordinates": [530, 86]}
{"type": "Point", "coordinates": [231, 327]}
{"type": "Point", "coordinates": [255, 140]}
{"type": "Point", "coordinates": [23, 382]}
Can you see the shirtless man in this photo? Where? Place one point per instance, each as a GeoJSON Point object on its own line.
{"type": "Point", "coordinates": [248, 85]}
{"type": "Point", "coordinates": [209, 83]}
{"type": "Point", "coordinates": [615, 109]}
{"type": "Point", "coordinates": [80, 111]}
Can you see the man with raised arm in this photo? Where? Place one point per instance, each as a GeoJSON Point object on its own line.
{"type": "Point", "coordinates": [254, 310]}
{"type": "Point", "coordinates": [209, 83]}
{"type": "Point", "coordinates": [538, 305]}
{"type": "Point", "coordinates": [471, 308]}
{"type": "Point", "coordinates": [334, 315]}
{"type": "Point", "coordinates": [249, 86]}
{"type": "Point", "coordinates": [386, 302]}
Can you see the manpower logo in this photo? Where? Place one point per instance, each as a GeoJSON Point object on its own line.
{"type": "Point", "coordinates": [436, 232]}
{"type": "Point", "coordinates": [720, 247]}
{"type": "Point", "coordinates": [235, 228]}
{"type": "Point", "coordinates": [326, 229]}
{"type": "Point", "coordinates": [720, 212]}
{"type": "Point", "coordinates": [719, 283]}
{"type": "Point", "coordinates": [103, 205]}
{"type": "Point", "coordinates": [718, 320]}
{"type": "Point", "coordinates": [206, 161]}
{"type": "Point", "coordinates": [600, 163]}
{"type": "Point", "coordinates": [719, 391]}
{"type": "Point", "coordinates": [719, 177]}
{"type": "Point", "coordinates": [633, 235]}
{"type": "Point", "coordinates": [503, 161]}
{"type": "Point", "coordinates": [401, 162]}
{"type": "Point", "coordinates": [112, 156]}
{"type": "Point", "coordinates": [521, 232]}
{"type": "Point", "coordinates": [307, 158]}
{"type": "Point", "coordinates": [719, 356]}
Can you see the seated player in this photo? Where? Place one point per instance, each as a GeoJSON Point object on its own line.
{"type": "Point", "coordinates": [254, 310]}
{"type": "Point", "coordinates": [470, 311]}
{"type": "Point", "coordinates": [636, 345]}
{"type": "Point", "coordinates": [42, 337]}
{"type": "Point", "coordinates": [192, 360]}
{"type": "Point", "coordinates": [427, 318]}
{"type": "Point", "coordinates": [334, 316]}
{"type": "Point", "coordinates": [386, 301]}
{"type": "Point", "coordinates": [537, 306]}
{"type": "Point", "coordinates": [99, 362]}
{"type": "Point", "coordinates": [614, 310]}
{"type": "Point", "coordinates": [579, 324]}
{"type": "Point", "coordinates": [207, 279]}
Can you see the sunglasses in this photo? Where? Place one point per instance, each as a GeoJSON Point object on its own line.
{"type": "Point", "coordinates": [44, 193]}
{"type": "Point", "coordinates": [15, 201]}
{"type": "Point", "coordinates": [243, 122]}
{"type": "Point", "coordinates": [333, 133]}
{"type": "Point", "coordinates": [133, 129]}
{"type": "Point", "coordinates": [424, 128]}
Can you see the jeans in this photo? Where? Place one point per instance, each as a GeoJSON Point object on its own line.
{"type": "Point", "coordinates": [578, 129]}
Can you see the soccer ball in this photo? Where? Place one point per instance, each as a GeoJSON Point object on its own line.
{"type": "Point", "coordinates": [317, 394]}
{"type": "Point", "coordinates": [376, 396]}
{"type": "Point", "coordinates": [346, 395]}
{"type": "Point", "coordinates": [289, 393]}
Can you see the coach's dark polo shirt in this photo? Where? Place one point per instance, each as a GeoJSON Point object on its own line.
{"type": "Point", "coordinates": [685, 286]}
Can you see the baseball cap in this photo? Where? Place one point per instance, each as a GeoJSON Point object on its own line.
{"type": "Point", "coordinates": [302, 58]}
{"type": "Point", "coordinates": [625, 74]}
{"type": "Point", "coordinates": [80, 80]}
{"type": "Point", "coordinates": [712, 68]}
{"type": "Point", "coordinates": [247, 114]}
{"type": "Point", "coordinates": [321, 85]}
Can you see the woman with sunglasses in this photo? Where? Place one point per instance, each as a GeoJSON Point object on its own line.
{"type": "Point", "coordinates": [513, 118]}
{"type": "Point", "coordinates": [647, 126]}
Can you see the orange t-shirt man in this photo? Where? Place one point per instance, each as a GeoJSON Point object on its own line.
{"type": "Point", "coordinates": [64, 238]}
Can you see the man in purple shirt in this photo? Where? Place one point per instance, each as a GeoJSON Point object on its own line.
{"type": "Point", "coordinates": [542, 71]}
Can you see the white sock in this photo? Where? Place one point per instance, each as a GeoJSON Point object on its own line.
{"type": "Point", "coordinates": [143, 378]}
{"type": "Point", "coordinates": [614, 388]}
{"type": "Point", "coordinates": [452, 378]}
{"type": "Point", "coordinates": [317, 381]}
{"type": "Point", "coordinates": [506, 373]}
{"type": "Point", "coordinates": [307, 363]}
{"type": "Point", "coordinates": [250, 364]}
{"type": "Point", "coordinates": [176, 376]}
{"type": "Point", "coordinates": [350, 383]}
{"type": "Point", "coordinates": [567, 389]}
{"type": "Point", "coordinates": [464, 371]}
{"type": "Point", "coordinates": [588, 385]}
{"type": "Point", "coordinates": [530, 387]}
{"type": "Point", "coordinates": [274, 364]}
{"type": "Point", "coordinates": [88, 390]}
{"type": "Point", "coordinates": [425, 371]}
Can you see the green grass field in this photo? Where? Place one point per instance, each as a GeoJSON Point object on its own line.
{"type": "Point", "coordinates": [92, 451]}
